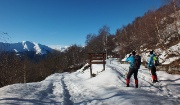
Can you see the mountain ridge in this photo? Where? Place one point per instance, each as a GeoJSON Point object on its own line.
{"type": "Point", "coordinates": [25, 46]}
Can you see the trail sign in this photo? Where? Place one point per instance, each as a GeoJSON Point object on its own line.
{"type": "Point", "coordinates": [96, 58]}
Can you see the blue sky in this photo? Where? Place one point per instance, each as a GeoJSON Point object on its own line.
{"type": "Point", "coordinates": [66, 22]}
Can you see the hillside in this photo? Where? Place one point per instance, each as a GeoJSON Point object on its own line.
{"type": "Point", "coordinates": [168, 49]}
{"type": "Point", "coordinates": [157, 30]}
{"type": "Point", "coordinates": [107, 88]}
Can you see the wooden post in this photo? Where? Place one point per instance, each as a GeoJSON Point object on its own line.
{"type": "Point", "coordinates": [104, 57]}
{"type": "Point", "coordinates": [90, 69]}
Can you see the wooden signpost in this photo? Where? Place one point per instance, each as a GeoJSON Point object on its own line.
{"type": "Point", "coordinates": [96, 58]}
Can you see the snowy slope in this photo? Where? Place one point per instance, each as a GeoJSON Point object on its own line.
{"type": "Point", "coordinates": [165, 56]}
{"type": "Point", "coordinates": [25, 46]}
{"type": "Point", "coordinates": [107, 88]}
{"type": "Point", "coordinates": [58, 47]}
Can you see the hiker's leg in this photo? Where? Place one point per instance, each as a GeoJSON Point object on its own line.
{"type": "Point", "coordinates": [153, 71]}
{"type": "Point", "coordinates": [135, 78]}
{"type": "Point", "coordinates": [129, 76]}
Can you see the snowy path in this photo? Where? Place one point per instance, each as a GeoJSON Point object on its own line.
{"type": "Point", "coordinates": [162, 88]}
{"type": "Point", "coordinates": [107, 88]}
{"type": "Point", "coordinates": [44, 92]}
{"type": "Point", "coordinates": [66, 94]}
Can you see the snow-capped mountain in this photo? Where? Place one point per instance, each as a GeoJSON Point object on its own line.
{"type": "Point", "coordinates": [24, 47]}
{"type": "Point", "coordinates": [58, 47]}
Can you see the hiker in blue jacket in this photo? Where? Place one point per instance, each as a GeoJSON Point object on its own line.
{"type": "Point", "coordinates": [132, 70]}
{"type": "Point", "coordinates": [152, 66]}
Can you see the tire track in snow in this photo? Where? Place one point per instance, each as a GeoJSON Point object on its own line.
{"type": "Point", "coordinates": [142, 78]}
{"type": "Point", "coordinates": [122, 78]}
{"type": "Point", "coordinates": [145, 80]}
{"type": "Point", "coordinates": [67, 96]}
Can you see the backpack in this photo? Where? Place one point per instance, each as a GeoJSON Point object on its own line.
{"type": "Point", "coordinates": [156, 61]}
{"type": "Point", "coordinates": [137, 62]}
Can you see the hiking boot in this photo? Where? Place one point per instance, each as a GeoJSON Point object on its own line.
{"type": "Point", "coordinates": [154, 81]}
{"type": "Point", "coordinates": [136, 86]}
{"type": "Point", "coordinates": [127, 85]}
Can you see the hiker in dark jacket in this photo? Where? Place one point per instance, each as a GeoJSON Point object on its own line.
{"type": "Point", "coordinates": [152, 66]}
{"type": "Point", "coordinates": [132, 69]}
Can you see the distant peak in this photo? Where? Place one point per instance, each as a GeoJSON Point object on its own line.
{"type": "Point", "coordinates": [25, 46]}
{"type": "Point", "coordinates": [27, 42]}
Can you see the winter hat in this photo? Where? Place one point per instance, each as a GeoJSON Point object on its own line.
{"type": "Point", "coordinates": [133, 53]}
{"type": "Point", "coordinates": [151, 52]}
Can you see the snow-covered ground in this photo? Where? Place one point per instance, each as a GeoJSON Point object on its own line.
{"type": "Point", "coordinates": [107, 88]}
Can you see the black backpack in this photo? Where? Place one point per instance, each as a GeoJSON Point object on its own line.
{"type": "Point", "coordinates": [137, 62]}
